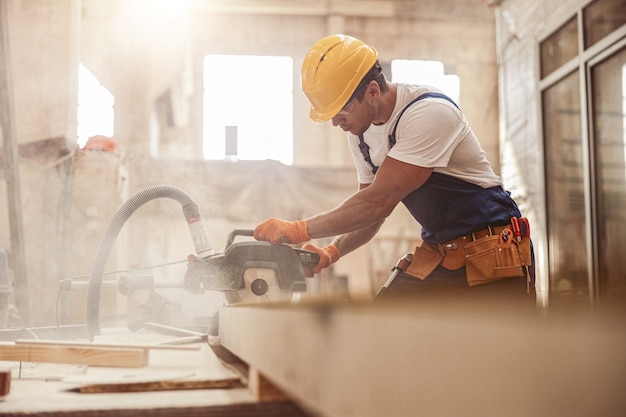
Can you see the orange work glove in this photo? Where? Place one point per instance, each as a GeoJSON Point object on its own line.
{"type": "Point", "coordinates": [282, 231]}
{"type": "Point", "coordinates": [328, 255]}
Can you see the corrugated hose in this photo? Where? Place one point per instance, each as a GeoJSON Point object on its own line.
{"type": "Point", "coordinates": [196, 228]}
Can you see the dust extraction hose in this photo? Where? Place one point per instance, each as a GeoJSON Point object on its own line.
{"type": "Point", "coordinates": [197, 229]}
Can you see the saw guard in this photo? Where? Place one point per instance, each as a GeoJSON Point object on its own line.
{"type": "Point", "coordinates": [282, 258]}
{"type": "Point", "coordinates": [225, 272]}
{"type": "Point", "coordinates": [251, 271]}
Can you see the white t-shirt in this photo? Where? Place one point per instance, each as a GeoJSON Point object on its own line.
{"type": "Point", "coordinates": [431, 133]}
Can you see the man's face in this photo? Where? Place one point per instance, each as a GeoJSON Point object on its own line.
{"type": "Point", "coordinates": [356, 116]}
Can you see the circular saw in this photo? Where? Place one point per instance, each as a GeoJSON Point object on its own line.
{"type": "Point", "coordinates": [251, 271]}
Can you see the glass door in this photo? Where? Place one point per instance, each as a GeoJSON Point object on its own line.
{"type": "Point", "coordinates": [565, 188]}
{"type": "Point", "coordinates": [608, 141]}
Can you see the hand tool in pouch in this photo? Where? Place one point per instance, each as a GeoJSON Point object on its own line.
{"type": "Point", "coordinates": [524, 226]}
{"type": "Point", "coordinates": [402, 264]}
{"type": "Point", "coordinates": [517, 232]}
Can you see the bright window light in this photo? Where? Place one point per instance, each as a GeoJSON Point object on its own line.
{"type": "Point", "coordinates": [95, 107]}
{"type": "Point", "coordinates": [426, 73]}
{"type": "Point", "coordinates": [248, 108]}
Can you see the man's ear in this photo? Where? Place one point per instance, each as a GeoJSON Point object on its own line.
{"type": "Point", "coordinates": [373, 89]}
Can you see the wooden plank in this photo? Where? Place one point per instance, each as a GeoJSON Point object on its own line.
{"type": "Point", "coordinates": [107, 345]}
{"type": "Point", "coordinates": [164, 385]}
{"type": "Point", "coordinates": [410, 359]}
{"type": "Point", "coordinates": [39, 398]}
{"type": "Point", "coordinates": [37, 395]}
{"type": "Point", "coordinates": [93, 356]}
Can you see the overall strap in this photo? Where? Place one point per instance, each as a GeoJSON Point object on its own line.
{"type": "Point", "coordinates": [365, 149]}
{"type": "Point", "coordinates": [392, 137]}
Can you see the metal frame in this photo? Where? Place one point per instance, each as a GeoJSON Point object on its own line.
{"type": "Point", "coordinates": [581, 63]}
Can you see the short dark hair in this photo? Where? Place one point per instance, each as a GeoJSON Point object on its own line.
{"type": "Point", "coordinates": [374, 74]}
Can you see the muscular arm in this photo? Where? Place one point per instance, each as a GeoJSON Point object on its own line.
{"type": "Point", "coordinates": [359, 217]}
{"type": "Point", "coordinates": [348, 242]}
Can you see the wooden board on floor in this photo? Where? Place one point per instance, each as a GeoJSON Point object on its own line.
{"type": "Point", "coordinates": [151, 346]}
{"type": "Point", "coordinates": [196, 382]}
{"type": "Point", "coordinates": [161, 385]}
{"type": "Point", "coordinates": [80, 354]}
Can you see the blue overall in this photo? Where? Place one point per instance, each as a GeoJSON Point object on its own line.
{"type": "Point", "coordinates": [447, 207]}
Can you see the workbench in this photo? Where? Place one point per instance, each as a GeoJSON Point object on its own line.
{"type": "Point", "coordinates": [352, 359]}
{"type": "Point", "coordinates": [442, 357]}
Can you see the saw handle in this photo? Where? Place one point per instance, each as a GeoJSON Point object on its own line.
{"type": "Point", "coordinates": [238, 232]}
{"type": "Point", "coordinates": [307, 258]}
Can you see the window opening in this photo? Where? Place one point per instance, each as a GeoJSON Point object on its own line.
{"type": "Point", "coordinates": [250, 117]}
{"type": "Point", "coordinates": [430, 73]}
{"type": "Point", "coordinates": [564, 169]}
{"type": "Point", "coordinates": [559, 47]}
{"type": "Point", "coordinates": [602, 17]}
{"type": "Point", "coordinates": [585, 186]}
{"type": "Point", "coordinates": [95, 107]}
{"type": "Point", "coordinates": [609, 153]}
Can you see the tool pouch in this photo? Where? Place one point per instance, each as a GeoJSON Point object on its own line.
{"type": "Point", "coordinates": [425, 259]}
{"type": "Point", "coordinates": [525, 252]}
{"type": "Point", "coordinates": [489, 260]}
{"type": "Point", "coordinates": [454, 257]}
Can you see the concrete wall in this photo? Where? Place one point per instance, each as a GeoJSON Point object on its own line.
{"type": "Point", "coordinates": [43, 40]}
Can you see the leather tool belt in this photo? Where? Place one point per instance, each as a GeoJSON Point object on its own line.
{"type": "Point", "coordinates": [488, 255]}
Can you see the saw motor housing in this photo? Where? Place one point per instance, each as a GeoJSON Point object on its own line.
{"type": "Point", "coordinates": [251, 271]}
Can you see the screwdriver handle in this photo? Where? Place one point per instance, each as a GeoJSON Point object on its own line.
{"type": "Point", "coordinates": [524, 227]}
{"type": "Point", "coordinates": [517, 232]}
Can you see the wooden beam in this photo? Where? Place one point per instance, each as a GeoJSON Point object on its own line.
{"type": "Point", "coordinates": [80, 355]}
{"type": "Point", "coordinates": [427, 359]}
{"type": "Point", "coordinates": [162, 385]}
{"type": "Point", "coordinates": [106, 345]}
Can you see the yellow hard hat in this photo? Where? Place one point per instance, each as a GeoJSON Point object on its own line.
{"type": "Point", "coordinates": [331, 72]}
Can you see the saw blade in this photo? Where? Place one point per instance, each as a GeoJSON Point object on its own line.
{"type": "Point", "coordinates": [261, 285]}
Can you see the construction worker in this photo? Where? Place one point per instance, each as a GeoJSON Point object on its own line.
{"type": "Point", "coordinates": [410, 144]}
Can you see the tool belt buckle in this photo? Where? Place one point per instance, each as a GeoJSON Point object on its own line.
{"type": "Point", "coordinates": [454, 253]}
{"type": "Point", "coordinates": [453, 245]}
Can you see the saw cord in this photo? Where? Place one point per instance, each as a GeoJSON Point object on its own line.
{"type": "Point", "coordinates": [114, 228]}
{"type": "Point", "coordinates": [123, 271]}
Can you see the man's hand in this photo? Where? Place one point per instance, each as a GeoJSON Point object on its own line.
{"type": "Point", "coordinates": [328, 255]}
{"type": "Point", "coordinates": [282, 231]}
